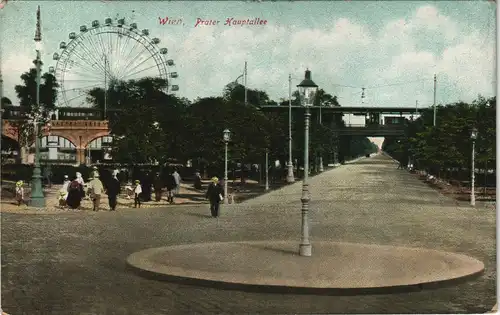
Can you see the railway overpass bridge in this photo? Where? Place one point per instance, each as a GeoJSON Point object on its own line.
{"type": "Point", "coordinates": [77, 132]}
{"type": "Point", "coordinates": [376, 125]}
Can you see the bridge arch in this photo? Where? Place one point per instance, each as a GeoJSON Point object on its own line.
{"type": "Point", "coordinates": [100, 142]}
{"type": "Point", "coordinates": [61, 141]}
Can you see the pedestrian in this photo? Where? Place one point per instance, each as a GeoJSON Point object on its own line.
{"type": "Point", "coordinates": [158, 186]}
{"type": "Point", "coordinates": [80, 180]}
{"type": "Point", "coordinates": [64, 191]}
{"type": "Point", "coordinates": [215, 194]}
{"type": "Point", "coordinates": [113, 190]}
{"type": "Point", "coordinates": [178, 179]}
{"type": "Point", "coordinates": [170, 185]}
{"type": "Point", "coordinates": [129, 190]}
{"type": "Point", "coordinates": [96, 189]}
{"type": "Point", "coordinates": [137, 194]}
{"type": "Point", "coordinates": [75, 194]}
{"type": "Point", "coordinates": [19, 192]}
{"type": "Point", "coordinates": [94, 172]}
{"type": "Point", "coordinates": [146, 188]}
{"type": "Point", "coordinates": [197, 180]}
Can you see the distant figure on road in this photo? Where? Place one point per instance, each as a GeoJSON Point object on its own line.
{"type": "Point", "coordinates": [400, 166]}
{"type": "Point", "coordinates": [197, 180]}
{"type": "Point", "coordinates": [137, 194]}
{"type": "Point", "coordinates": [19, 192]}
{"type": "Point", "coordinates": [113, 190]}
{"type": "Point", "coordinates": [177, 178]}
{"type": "Point", "coordinates": [215, 194]}
{"type": "Point", "coordinates": [158, 186]}
{"type": "Point", "coordinates": [146, 188]}
{"type": "Point", "coordinates": [170, 185]}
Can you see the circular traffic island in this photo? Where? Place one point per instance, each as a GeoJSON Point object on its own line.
{"type": "Point", "coordinates": [334, 268]}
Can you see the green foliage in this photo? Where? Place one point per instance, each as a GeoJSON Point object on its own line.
{"type": "Point", "coordinates": [154, 127]}
{"type": "Point", "coordinates": [447, 146]}
{"type": "Point", "coordinates": [5, 101]}
{"type": "Point", "coordinates": [26, 92]}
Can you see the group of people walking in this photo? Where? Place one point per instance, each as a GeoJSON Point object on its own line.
{"type": "Point", "coordinates": [74, 191]}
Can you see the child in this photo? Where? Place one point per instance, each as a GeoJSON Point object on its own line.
{"type": "Point", "coordinates": [19, 192]}
{"type": "Point", "coordinates": [129, 190]}
{"type": "Point", "coordinates": [137, 193]}
{"type": "Point", "coordinates": [62, 198]}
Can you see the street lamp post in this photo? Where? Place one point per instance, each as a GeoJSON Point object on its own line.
{"type": "Point", "coordinates": [226, 138]}
{"type": "Point", "coordinates": [290, 178]}
{"type": "Point", "coordinates": [267, 170]}
{"type": "Point", "coordinates": [307, 91]}
{"type": "Point", "coordinates": [320, 154]}
{"type": "Point", "coordinates": [473, 136]}
{"type": "Point", "coordinates": [37, 197]}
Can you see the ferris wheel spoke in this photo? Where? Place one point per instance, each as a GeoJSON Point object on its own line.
{"type": "Point", "coordinates": [70, 64]}
{"type": "Point", "coordinates": [85, 60]}
{"type": "Point", "coordinates": [82, 74]}
{"type": "Point", "coordinates": [115, 51]}
{"type": "Point", "coordinates": [138, 65]}
{"type": "Point", "coordinates": [75, 97]}
{"type": "Point", "coordinates": [88, 52]}
{"type": "Point", "coordinates": [110, 48]}
{"type": "Point", "coordinates": [93, 44]}
{"type": "Point", "coordinates": [122, 52]}
{"type": "Point", "coordinates": [98, 61]}
{"type": "Point", "coordinates": [91, 56]}
{"type": "Point", "coordinates": [82, 87]}
{"type": "Point", "coordinates": [127, 57]}
{"type": "Point", "coordinates": [131, 61]}
{"type": "Point", "coordinates": [95, 65]}
{"type": "Point", "coordinates": [119, 63]}
{"type": "Point", "coordinates": [137, 72]}
{"type": "Point", "coordinates": [97, 57]}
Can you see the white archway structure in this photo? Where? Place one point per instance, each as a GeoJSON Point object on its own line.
{"type": "Point", "coordinates": [63, 149]}
{"type": "Point", "coordinates": [101, 146]}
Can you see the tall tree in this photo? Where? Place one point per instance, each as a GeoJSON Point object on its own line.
{"type": "Point", "coordinates": [146, 128]}
{"type": "Point", "coordinates": [26, 92]}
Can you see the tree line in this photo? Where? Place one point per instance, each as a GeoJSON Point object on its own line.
{"type": "Point", "coordinates": [153, 127]}
{"type": "Point", "coordinates": [445, 150]}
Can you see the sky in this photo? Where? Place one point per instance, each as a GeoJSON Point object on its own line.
{"type": "Point", "coordinates": [391, 48]}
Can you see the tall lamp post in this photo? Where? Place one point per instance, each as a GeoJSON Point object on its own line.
{"type": "Point", "coordinates": [307, 91]}
{"type": "Point", "coordinates": [37, 197]}
{"type": "Point", "coordinates": [289, 177]}
{"type": "Point", "coordinates": [226, 138]}
{"type": "Point", "coordinates": [267, 170]}
{"type": "Point", "coordinates": [320, 154]}
{"type": "Point", "coordinates": [473, 136]}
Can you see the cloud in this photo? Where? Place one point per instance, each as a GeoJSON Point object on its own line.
{"type": "Point", "coordinates": [344, 52]}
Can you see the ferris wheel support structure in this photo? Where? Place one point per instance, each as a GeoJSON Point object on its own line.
{"type": "Point", "coordinates": [102, 55]}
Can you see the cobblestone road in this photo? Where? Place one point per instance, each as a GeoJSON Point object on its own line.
{"type": "Point", "coordinates": [74, 263]}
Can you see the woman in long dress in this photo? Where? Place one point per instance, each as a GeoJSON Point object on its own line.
{"type": "Point", "coordinates": [75, 193]}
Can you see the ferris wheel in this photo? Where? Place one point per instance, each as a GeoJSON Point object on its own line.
{"type": "Point", "coordinates": [103, 54]}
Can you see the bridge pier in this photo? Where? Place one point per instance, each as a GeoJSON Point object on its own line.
{"type": "Point", "coordinates": [80, 155]}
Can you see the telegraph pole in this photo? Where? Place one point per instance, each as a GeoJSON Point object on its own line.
{"type": "Point", "coordinates": [1, 85]}
{"type": "Point", "coordinates": [290, 178]}
{"type": "Point", "coordinates": [245, 79]}
{"type": "Point", "coordinates": [105, 85]}
{"type": "Point", "coordinates": [416, 107]}
{"type": "Point", "coordinates": [434, 106]}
